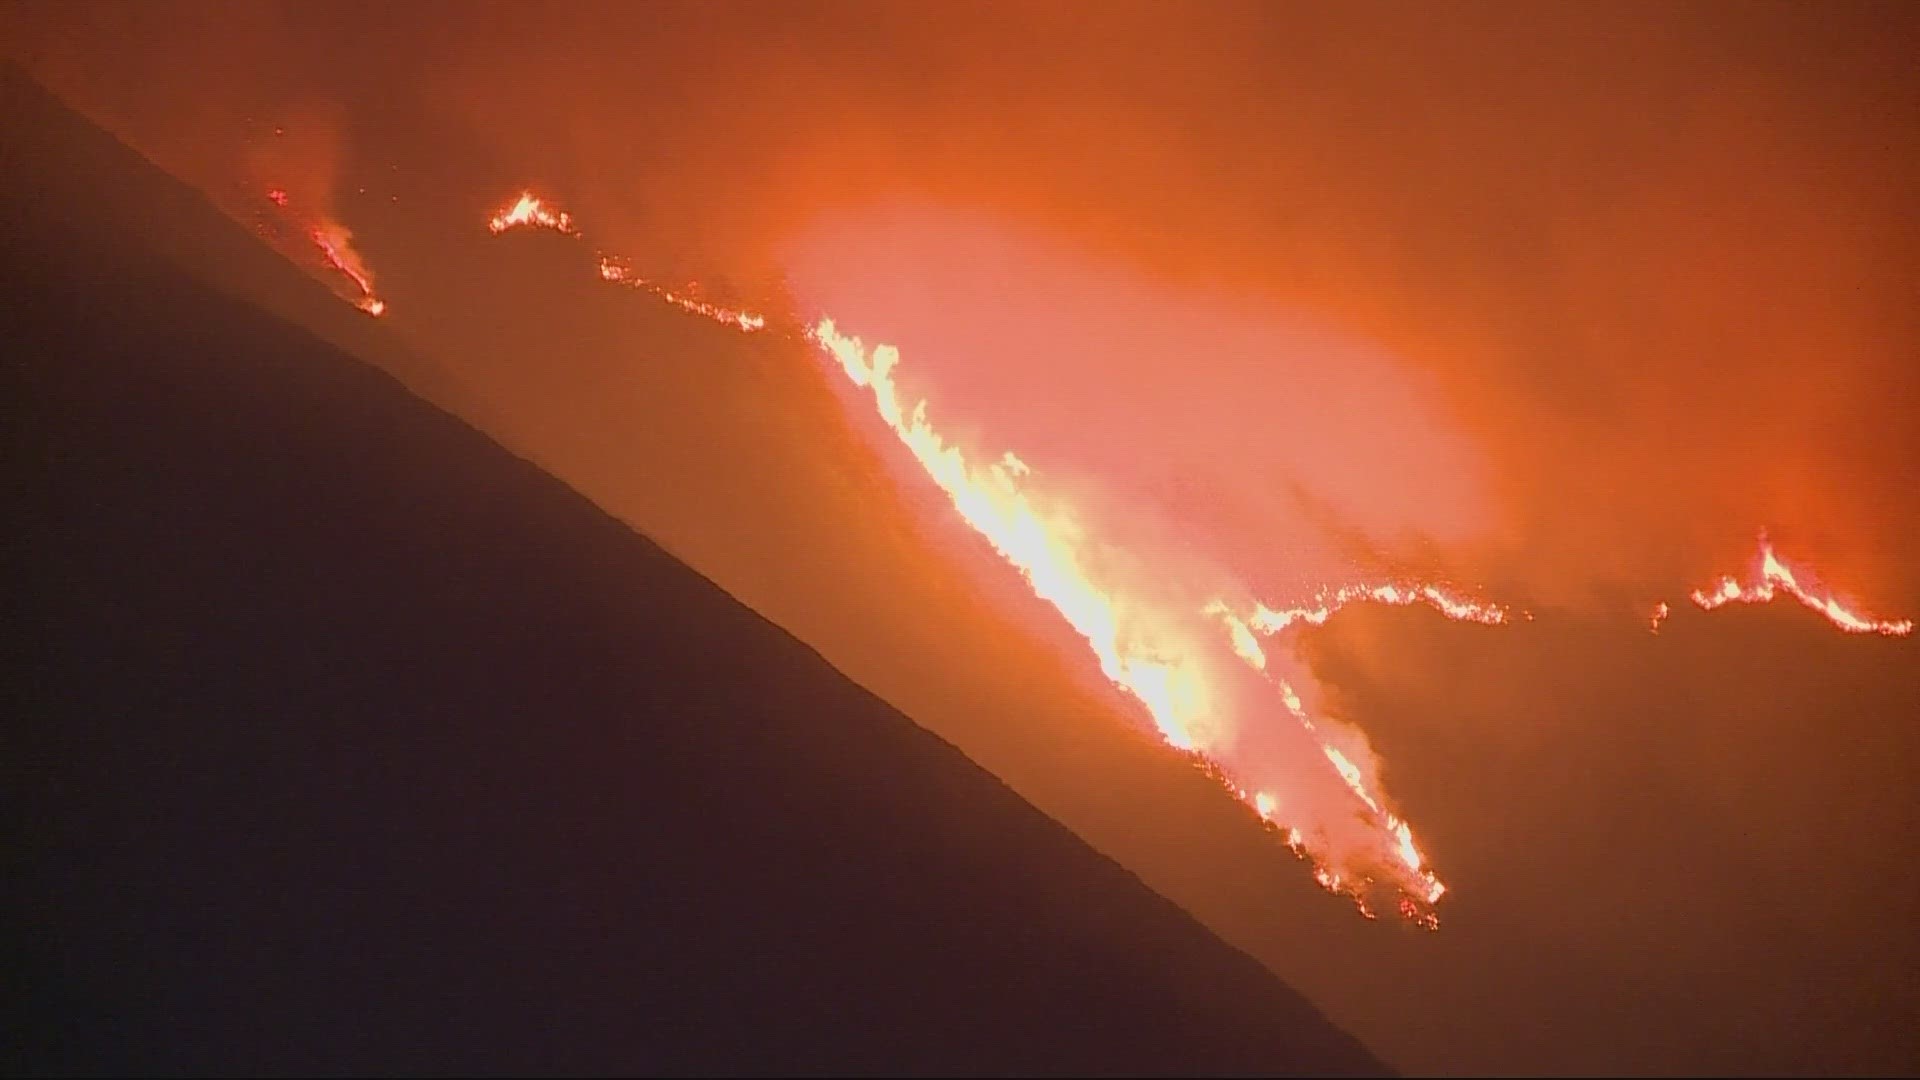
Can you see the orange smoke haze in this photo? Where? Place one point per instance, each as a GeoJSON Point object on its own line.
{"type": "Point", "coordinates": [1607, 245]}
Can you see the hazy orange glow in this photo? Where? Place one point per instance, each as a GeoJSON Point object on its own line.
{"type": "Point", "coordinates": [1773, 576]}
{"type": "Point", "coordinates": [1288, 312]}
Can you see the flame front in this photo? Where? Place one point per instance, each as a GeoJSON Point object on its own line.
{"type": "Point", "coordinates": [1454, 606]}
{"type": "Point", "coordinates": [1176, 659]}
{"type": "Point", "coordinates": [1167, 673]}
{"type": "Point", "coordinates": [1775, 577]}
{"type": "Point", "coordinates": [1165, 656]}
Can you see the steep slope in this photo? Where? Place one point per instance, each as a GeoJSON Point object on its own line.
{"type": "Point", "coordinates": [54, 157]}
{"type": "Point", "coordinates": [344, 741]}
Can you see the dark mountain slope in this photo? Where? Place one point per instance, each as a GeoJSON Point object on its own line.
{"type": "Point", "coordinates": [340, 739]}
{"type": "Point", "coordinates": [56, 157]}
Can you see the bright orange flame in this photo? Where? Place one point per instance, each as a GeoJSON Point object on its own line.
{"type": "Point", "coordinates": [1146, 649]}
{"type": "Point", "coordinates": [332, 249]}
{"type": "Point", "coordinates": [529, 211]}
{"type": "Point", "coordinates": [1140, 645]}
{"type": "Point", "coordinates": [338, 255]}
{"type": "Point", "coordinates": [1046, 546]}
{"type": "Point", "coordinates": [1776, 576]}
{"type": "Point", "coordinates": [1042, 546]}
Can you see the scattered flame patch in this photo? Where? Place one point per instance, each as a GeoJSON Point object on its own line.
{"type": "Point", "coordinates": [616, 271]}
{"type": "Point", "coordinates": [529, 212]}
{"type": "Point", "coordinates": [1773, 577]}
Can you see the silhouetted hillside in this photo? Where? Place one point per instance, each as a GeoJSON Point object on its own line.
{"type": "Point", "coordinates": [59, 158]}
{"type": "Point", "coordinates": [344, 741]}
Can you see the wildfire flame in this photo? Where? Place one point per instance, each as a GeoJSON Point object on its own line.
{"type": "Point", "coordinates": [1168, 672]}
{"type": "Point", "coordinates": [1458, 608]}
{"type": "Point", "coordinates": [334, 251]}
{"type": "Point", "coordinates": [1144, 647]}
{"type": "Point", "coordinates": [1775, 577]}
{"type": "Point", "coordinates": [1046, 547]}
{"type": "Point", "coordinates": [530, 212]}
{"type": "Point", "coordinates": [991, 499]}
{"type": "Point", "coordinates": [334, 243]}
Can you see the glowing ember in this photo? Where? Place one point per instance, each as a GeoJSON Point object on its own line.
{"type": "Point", "coordinates": [1775, 577]}
{"type": "Point", "coordinates": [530, 212]}
{"type": "Point", "coordinates": [278, 197]}
{"type": "Point", "coordinates": [1660, 612]}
